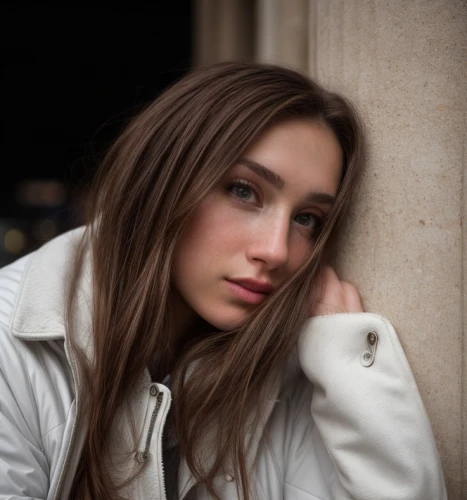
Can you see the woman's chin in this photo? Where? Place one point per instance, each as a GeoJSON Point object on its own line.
{"type": "Point", "coordinates": [224, 321]}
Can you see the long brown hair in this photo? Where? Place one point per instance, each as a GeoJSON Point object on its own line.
{"type": "Point", "coordinates": [155, 175]}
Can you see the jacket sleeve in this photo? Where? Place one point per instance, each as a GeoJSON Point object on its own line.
{"type": "Point", "coordinates": [24, 468]}
{"type": "Point", "coordinates": [368, 411]}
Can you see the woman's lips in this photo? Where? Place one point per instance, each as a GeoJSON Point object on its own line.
{"type": "Point", "coordinates": [245, 294]}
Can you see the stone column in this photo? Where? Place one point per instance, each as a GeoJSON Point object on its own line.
{"type": "Point", "coordinates": [283, 32]}
{"type": "Point", "coordinates": [404, 64]}
{"type": "Point", "coordinates": [223, 30]}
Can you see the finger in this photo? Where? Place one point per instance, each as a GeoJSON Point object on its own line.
{"type": "Point", "coordinates": [353, 300]}
{"type": "Point", "coordinates": [329, 278]}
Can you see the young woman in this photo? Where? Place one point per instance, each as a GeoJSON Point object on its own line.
{"type": "Point", "coordinates": [191, 341]}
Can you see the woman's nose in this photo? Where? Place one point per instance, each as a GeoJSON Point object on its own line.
{"type": "Point", "coordinates": [270, 244]}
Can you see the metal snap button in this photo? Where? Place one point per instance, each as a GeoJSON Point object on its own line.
{"type": "Point", "coordinates": [368, 355]}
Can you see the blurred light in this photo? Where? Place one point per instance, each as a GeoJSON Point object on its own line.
{"type": "Point", "coordinates": [42, 193]}
{"type": "Point", "coordinates": [14, 241]}
{"type": "Point", "coordinates": [45, 229]}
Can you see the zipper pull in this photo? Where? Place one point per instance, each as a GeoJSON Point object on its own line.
{"type": "Point", "coordinates": [368, 356]}
{"type": "Point", "coordinates": [142, 456]}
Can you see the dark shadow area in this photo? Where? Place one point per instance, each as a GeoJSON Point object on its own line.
{"type": "Point", "coordinates": [71, 79]}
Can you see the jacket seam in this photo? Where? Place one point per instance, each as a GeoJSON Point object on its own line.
{"type": "Point", "coordinates": [51, 430]}
{"type": "Point", "coordinates": [39, 443]}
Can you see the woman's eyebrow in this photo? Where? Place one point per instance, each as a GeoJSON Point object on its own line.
{"type": "Point", "coordinates": [278, 182]}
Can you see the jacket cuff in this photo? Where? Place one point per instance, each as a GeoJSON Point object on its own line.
{"type": "Point", "coordinates": [368, 410]}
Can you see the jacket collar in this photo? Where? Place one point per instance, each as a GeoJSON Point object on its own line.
{"type": "Point", "coordinates": [40, 310]}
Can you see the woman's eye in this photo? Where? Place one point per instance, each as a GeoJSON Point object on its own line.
{"type": "Point", "coordinates": [242, 191]}
{"type": "Point", "coordinates": [307, 220]}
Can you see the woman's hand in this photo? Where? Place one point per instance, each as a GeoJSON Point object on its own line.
{"type": "Point", "coordinates": [335, 296]}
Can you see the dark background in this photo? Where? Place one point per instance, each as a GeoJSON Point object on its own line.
{"type": "Point", "coordinates": [71, 78]}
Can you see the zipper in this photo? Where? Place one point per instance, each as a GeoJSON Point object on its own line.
{"type": "Point", "coordinates": [161, 461]}
{"type": "Point", "coordinates": [142, 456]}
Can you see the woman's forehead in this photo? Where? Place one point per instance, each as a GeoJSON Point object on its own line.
{"type": "Point", "coordinates": [297, 152]}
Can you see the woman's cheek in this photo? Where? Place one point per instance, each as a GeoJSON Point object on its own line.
{"type": "Point", "coordinates": [219, 223]}
{"type": "Point", "coordinates": [301, 247]}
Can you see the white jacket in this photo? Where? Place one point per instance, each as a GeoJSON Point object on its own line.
{"type": "Point", "coordinates": [367, 436]}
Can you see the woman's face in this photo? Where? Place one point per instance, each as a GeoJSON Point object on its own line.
{"type": "Point", "coordinates": [258, 226]}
